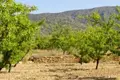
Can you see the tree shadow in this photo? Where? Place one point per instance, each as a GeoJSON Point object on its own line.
{"type": "Point", "coordinates": [6, 72]}
{"type": "Point", "coordinates": [96, 78]}
{"type": "Point", "coordinates": [77, 77]}
{"type": "Point", "coordinates": [3, 72]}
{"type": "Point", "coordinates": [67, 70]}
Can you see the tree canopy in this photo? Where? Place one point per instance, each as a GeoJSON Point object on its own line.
{"type": "Point", "coordinates": [17, 32]}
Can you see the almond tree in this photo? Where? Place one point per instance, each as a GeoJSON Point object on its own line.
{"type": "Point", "coordinates": [102, 35]}
{"type": "Point", "coordinates": [62, 38]}
{"type": "Point", "coordinates": [17, 32]}
{"type": "Point", "coordinates": [82, 44]}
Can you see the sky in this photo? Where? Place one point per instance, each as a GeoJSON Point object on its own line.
{"type": "Point", "coordinates": [55, 6]}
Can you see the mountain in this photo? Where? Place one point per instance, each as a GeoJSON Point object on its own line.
{"type": "Point", "coordinates": [71, 17]}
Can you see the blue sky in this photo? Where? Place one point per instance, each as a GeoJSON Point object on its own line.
{"type": "Point", "coordinates": [54, 6]}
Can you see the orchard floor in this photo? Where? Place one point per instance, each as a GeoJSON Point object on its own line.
{"type": "Point", "coordinates": [62, 71]}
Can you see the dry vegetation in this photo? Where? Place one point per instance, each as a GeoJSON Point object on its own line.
{"type": "Point", "coordinates": [62, 71]}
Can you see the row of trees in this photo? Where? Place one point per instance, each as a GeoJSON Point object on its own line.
{"type": "Point", "coordinates": [100, 36]}
{"type": "Point", "coordinates": [18, 35]}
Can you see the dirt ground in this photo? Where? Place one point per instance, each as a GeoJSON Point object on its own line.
{"type": "Point", "coordinates": [62, 71]}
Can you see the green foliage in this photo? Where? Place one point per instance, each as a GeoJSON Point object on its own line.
{"type": "Point", "coordinates": [82, 44]}
{"type": "Point", "coordinates": [62, 38]}
{"type": "Point", "coordinates": [103, 35]}
{"type": "Point", "coordinates": [116, 48]}
{"type": "Point", "coordinates": [43, 42]}
{"type": "Point", "coordinates": [17, 32]}
{"type": "Point", "coordinates": [86, 59]}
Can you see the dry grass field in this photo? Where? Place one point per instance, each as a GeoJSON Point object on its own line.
{"type": "Point", "coordinates": [62, 71]}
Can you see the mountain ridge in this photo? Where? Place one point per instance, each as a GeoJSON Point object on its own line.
{"type": "Point", "coordinates": [71, 17]}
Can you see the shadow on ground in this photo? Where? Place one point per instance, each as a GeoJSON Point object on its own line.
{"type": "Point", "coordinates": [96, 78]}
{"type": "Point", "coordinates": [76, 77]}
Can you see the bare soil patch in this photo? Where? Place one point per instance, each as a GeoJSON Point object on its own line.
{"type": "Point", "coordinates": [62, 71]}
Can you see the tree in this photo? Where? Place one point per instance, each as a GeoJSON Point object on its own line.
{"type": "Point", "coordinates": [102, 35]}
{"type": "Point", "coordinates": [43, 42]}
{"type": "Point", "coordinates": [17, 32]}
{"type": "Point", "coordinates": [98, 43]}
{"type": "Point", "coordinates": [82, 45]}
{"type": "Point", "coordinates": [62, 38]}
{"type": "Point", "coordinates": [116, 49]}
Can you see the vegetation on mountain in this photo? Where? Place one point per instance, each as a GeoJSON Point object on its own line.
{"type": "Point", "coordinates": [71, 17]}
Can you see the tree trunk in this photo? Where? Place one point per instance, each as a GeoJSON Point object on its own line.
{"type": "Point", "coordinates": [2, 66]}
{"type": "Point", "coordinates": [81, 61]}
{"type": "Point", "coordinates": [9, 67]}
{"type": "Point", "coordinates": [119, 59]}
{"type": "Point", "coordinates": [0, 69]}
{"type": "Point", "coordinates": [21, 59]}
{"type": "Point", "coordinates": [63, 52]}
{"type": "Point", "coordinates": [97, 63]}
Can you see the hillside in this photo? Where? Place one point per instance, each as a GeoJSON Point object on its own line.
{"type": "Point", "coordinates": [71, 17]}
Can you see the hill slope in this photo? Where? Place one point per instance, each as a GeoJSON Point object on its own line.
{"type": "Point", "coordinates": [70, 17]}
